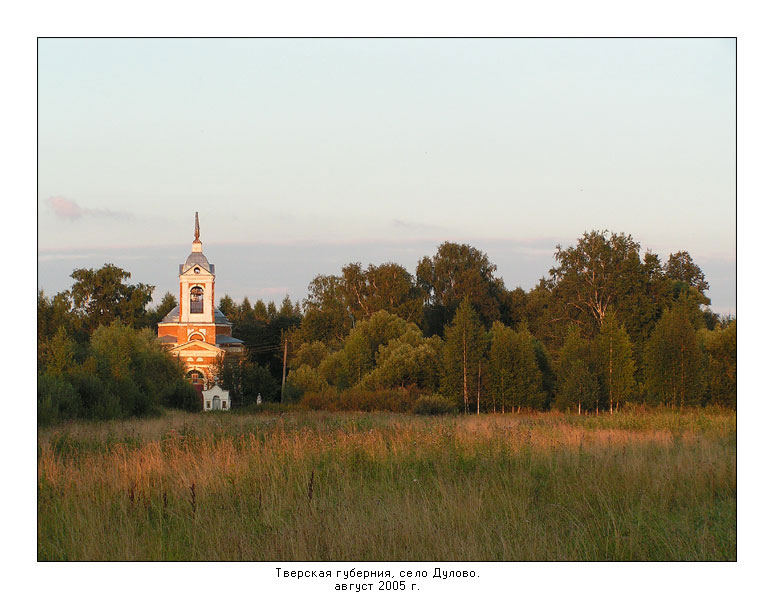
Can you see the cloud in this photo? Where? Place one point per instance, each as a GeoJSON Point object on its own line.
{"type": "Point", "coordinates": [44, 257]}
{"type": "Point", "coordinates": [414, 226]}
{"type": "Point", "coordinates": [70, 210]}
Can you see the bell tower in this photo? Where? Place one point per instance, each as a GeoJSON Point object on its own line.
{"type": "Point", "coordinates": [197, 285]}
{"type": "Point", "coordinates": [195, 330]}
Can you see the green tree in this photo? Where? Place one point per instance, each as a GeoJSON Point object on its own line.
{"type": "Point", "coordinates": [357, 358]}
{"type": "Point", "coordinates": [100, 296]}
{"type": "Point", "coordinates": [681, 267]}
{"type": "Point", "coordinates": [640, 306]}
{"type": "Point", "coordinates": [614, 363]}
{"type": "Point", "coordinates": [57, 399]}
{"type": "Point", "coordinates": [167, 303]}
{"type": "Point", "coordinates": [548, 377]}
{"type": "Point", "coordinates": [455, 272]}
{"type": "Point", "coordinates": [410, 360]}
{"type": "Point", "coordinates": [463, 353]}
{"type": "Point", "coordinates": [260, 312]}
{"type": "Point", "coordinates": [528, 376]}
{"type": "Point", "coordinates": [720, 346]}
{"type": "Point", "coordinates": [326, 317]}
{"type": "Point", "coordinates": [54, 314]}
{"type": "Point", "coordinates": [286, 308]}
{"type": "Point", "coordinates": [350, 365]}
{"type": "Point", "coordinates": [577, 387]}
{"type": "Point", "coordinates": [132, 367]}
{"type": "Point", "coordinates": [271, 310]}
{"type": "Point", "coordinates": [229, 308]}
{"type": "Point", "coordinates": [304, 379]}
{"type": "Point", "coordinates": [310, 354]}
{"type": "Point", "coordinates": [256, 379]}
{"type": "Point", "coordinates": [545, 314]}
{"type": "Point", "coordinates": [245, 380]}
{"type": "Point", "coordinates": [594, 275]}
{"type": "Point", "coordinates": [59, 355]}
{"type": "Point", "coordinates": [245, 311]}
{"type": "Point", "coordinates": [501, 362]}
{"type": "Point", "coordinates": [387, 287]}
{"type": "Point", "coordinates": [673, 360]}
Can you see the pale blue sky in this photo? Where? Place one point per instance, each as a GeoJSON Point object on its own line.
{"type": "Point", "coordinates": [301, 155]}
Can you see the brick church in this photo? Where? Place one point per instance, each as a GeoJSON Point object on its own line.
{"type": "Point", "coordinates": [195, 330]}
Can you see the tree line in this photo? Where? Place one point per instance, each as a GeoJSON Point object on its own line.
{"type": "Point", "coordinates": [607, 326]}
{"type": "Point", "coordinates": [98, 356]}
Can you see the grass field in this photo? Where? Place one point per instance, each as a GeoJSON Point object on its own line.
{"type": "Point", "coordinates": [354, 486]}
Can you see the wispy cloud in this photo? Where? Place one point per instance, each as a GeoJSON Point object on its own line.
{"type": "Point", "coordinates": [71, 210]}
{"type": "Point", "coordinates": [45, 257]}
{"type": "Point", "coordinates": [413, 225]}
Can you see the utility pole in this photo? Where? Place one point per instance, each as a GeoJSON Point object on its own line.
{"type": "Point", "coordinates": [465, 374]}
{"type": "Point", "coordinates": [611, 373]}
{"type": "Point", "coordinates": [285, 358]}
{"type": "Point", "coordinates": [478, 386]}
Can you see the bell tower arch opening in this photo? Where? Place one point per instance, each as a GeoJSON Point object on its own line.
{"type": "Point", "coordinates": [196, 300]}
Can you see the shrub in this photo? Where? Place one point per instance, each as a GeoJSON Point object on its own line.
{"type": "Point", "coordinates": [396, 400]}
{"type": "Point", "coordinates": [96, 402]}
{"type": "Point", "coordinates": [435, 404]}
{"type": "Point", "coordinates": [181, 394]}
{"type": "Point", "coordinates": [303, 379]}
{"type": "Point", "coordinates": [57, 399]}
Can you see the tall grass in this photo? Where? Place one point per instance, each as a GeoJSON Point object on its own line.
{"type": "Point", "coordinates": [323, 486]}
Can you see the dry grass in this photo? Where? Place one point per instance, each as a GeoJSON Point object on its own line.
{"type": "Point", "coordinates": [321, 486]}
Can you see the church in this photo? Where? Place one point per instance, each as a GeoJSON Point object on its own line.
{"type": "Point", "coordinates": [195, 330]}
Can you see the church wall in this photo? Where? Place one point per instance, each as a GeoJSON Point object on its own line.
{"type": "Point", "coordinates": [183, 331]}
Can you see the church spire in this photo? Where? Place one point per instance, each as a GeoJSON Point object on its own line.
{"type": "Point", "coordinates": [196, 226]}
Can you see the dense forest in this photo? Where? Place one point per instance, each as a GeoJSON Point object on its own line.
{"type": "Point", "coordinates": [607, 327]}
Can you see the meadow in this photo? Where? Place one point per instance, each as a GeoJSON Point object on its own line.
{"type": "Point", "coordinates": [644, 485]}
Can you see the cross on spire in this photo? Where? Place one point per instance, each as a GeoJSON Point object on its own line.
{"type": "Point", "coordinates": [196, 226]}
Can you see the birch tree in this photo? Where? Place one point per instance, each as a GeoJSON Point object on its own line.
{"type": "Point", "coordinates": [614, 362]}
{"type": "Point", "coordinates": [464, 348]}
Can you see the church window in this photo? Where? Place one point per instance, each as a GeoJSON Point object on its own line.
{"type": "Point", "coordinates": [197, 300]}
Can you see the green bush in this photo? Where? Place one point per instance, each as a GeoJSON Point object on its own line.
{"type": "Point", "coordinates": [57, 399]}
{"type": "Point", "coordinates": [96, 401]}
{"type": "Point", "coordinates": [396, 400]}
{"type": "Point", "coordinates": [435, 404]}
{"type": "Point", "coordinates": [181, 394]}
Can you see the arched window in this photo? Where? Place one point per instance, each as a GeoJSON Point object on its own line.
{"type": "Point", "coordinates": [197, 300]}
{"type": "Point", "coordinates": [196, 336]}
{"type": "Point", "coordinates": [196, 377]}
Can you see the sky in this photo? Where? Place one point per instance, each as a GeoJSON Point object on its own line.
{"type": "Point", "coordinates": [302, 155]}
